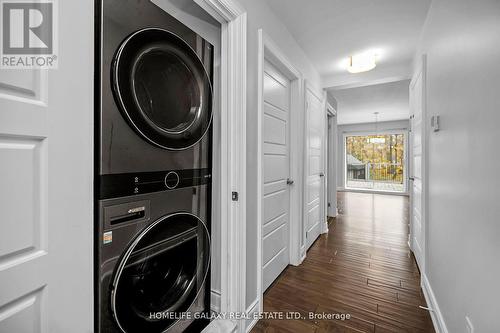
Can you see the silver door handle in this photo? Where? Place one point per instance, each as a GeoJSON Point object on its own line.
{"type": "Point", "coordinates": [411, 178]}
{"type": "Point", "coordinates": [289, 181]}
{"type": "Point", "coordinates": [322, 174]}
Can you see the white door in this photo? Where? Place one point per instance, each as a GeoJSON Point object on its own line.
{"type": "Point", "coordinates": [24, 256]}
{"type": "Point", "coordinates": [417, 222]}
{"type": "Point", "coordinates": [276, 170]}
{"type": "Point", "coordinates": [315, 184]}
{"type": "Point", "coordinates": [46, 186]}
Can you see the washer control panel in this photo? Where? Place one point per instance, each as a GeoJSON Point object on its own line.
{"type": "Point", "coordinates": [120, 185]}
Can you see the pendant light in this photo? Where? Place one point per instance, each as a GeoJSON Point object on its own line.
{"type": "Point", "coordinates": [376, 139]}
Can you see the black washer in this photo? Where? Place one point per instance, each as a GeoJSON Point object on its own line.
{"type": "Point", "coordinates": [160, 273]}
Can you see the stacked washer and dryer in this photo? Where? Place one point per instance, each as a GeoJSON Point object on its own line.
{"type": "Point", "coordinates": [153, 170]}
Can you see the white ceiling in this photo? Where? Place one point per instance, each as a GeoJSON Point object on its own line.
{"type": "Point", "coordinates": [329, 31]}
{"type": "Point", "coordinates": [357, 105]}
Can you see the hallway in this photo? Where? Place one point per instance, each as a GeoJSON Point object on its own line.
{"type": "Point", "coordinates": [362, 267]}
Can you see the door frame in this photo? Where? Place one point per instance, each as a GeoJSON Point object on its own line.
{"type": "Point", "coordinates": [230, 155]}
{"type": "Point", "coordinates": [420, 70]}
{"type": "Point", "coordinates": [269, 51]}
{"type": "Point", "coordinates": [331, 162]}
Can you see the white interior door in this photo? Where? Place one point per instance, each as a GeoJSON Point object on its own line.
{"type": "Point", "coordinates": [417, 222]}
{"type": "Point", "coordinates": [276, 170]}
{"type": "Point", "coordinates": [46, 186]}
{"type": "Point", "coordinates": [24, 255]}
{"type": "Point", "coordinates": [315, 185]}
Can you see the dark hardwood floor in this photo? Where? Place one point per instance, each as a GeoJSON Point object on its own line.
{"type": "Point", "coordinates": [362, 267]}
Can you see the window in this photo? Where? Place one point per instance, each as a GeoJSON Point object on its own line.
{"type": "Point", "coordinates": [375, 162]}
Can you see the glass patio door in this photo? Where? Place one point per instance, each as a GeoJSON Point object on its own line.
{"type": "Point", "coordinates": [375, 162]}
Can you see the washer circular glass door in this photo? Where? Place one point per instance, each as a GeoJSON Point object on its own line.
{"type": "Point", "coordinates": [160, 274]}
{"type": "Point", "coordinates": [162, 88]}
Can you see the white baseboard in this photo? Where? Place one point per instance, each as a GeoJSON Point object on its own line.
{"type": "Point", "coordinates": [253, 308]}
{"type": "Point", "coordinates": [220, 326]}
{"type": "Point", "coordinates": [304, 253]}
{"type": "Point", "coordinates": [430, 298]}
{"type": "Point", "coordinates": [324, 229]}
{"type": "Point", "coordinates": [332, 211]}
{"type": "Point", "coordinates": [215, 300]}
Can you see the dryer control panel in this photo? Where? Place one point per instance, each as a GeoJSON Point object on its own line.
{"type": "Point", "coordinates": [126, 184]}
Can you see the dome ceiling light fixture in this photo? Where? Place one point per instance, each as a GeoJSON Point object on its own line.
{"type": "Point", "coordinates": [362, 62]}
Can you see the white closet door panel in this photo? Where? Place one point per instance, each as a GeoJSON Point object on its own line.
{"type": "Point", "coordinates": [275, 204]}
{"type": "Point", "coordinates": [276, 165]}
{"type": "Point", "coordinates": [315, 186]}
{"type": "Point", "coordinates": [274, 242]}
{"type": "Point", "coordinates": [274, 267]}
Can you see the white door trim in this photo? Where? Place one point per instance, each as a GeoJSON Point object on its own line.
{"type": "Point", "coordinates": [328, 109]}
{"type": "Point", "coordinates": [314, 90]}
{"type": "Point", "coordinates": [232, 17]}
{"type": "Point", "coordinates": [331, 162]}
{"type": "Point", "coordinates": [421, 69]}
{"type": "Point", "coordinates": [268, 50]}
{"type": "Point", "coordinates": [321, 96]}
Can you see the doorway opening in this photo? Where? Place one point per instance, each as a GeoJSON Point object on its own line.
{"type": "Point", "coordinates": [376, 162]}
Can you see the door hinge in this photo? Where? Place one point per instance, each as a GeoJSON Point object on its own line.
{"type": "Point", "coordinates": [329, 204]}
{"type": "Point", "coordinates": [234, 196]}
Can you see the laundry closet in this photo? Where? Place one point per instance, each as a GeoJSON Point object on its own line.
{"type": "Point", "coordinates": [154, 169]}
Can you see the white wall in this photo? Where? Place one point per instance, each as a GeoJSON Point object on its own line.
{"type": "Point", "coordinates": [260, 15]}
{"type": "Point", "coordinates": [366, 127]}
{"type": "Point", "coordinates": [358, 105]}
{"type": "Point", "coordinates": [462, 41]}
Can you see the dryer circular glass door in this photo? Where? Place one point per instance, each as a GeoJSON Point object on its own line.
{"type": "Point", "coordinates": [162, 88]}
{"type": "Point", "coordinates": [161, 274]}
